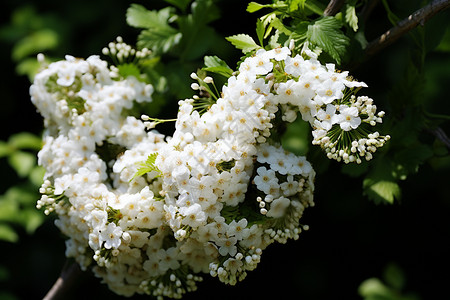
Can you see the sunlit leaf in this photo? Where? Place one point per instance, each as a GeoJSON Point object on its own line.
{"type": "Point", "coordinates": [243, 42]}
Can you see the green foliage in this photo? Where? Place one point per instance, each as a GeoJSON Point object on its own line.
{"type": "Point", "coordinates": [158, 35]}
{"type": "Point", "coordinates": [17, 204]}
{"type": "Point", "coordinates": [243, 42]}
{"type": "Point", "coordinates": [325, 33]}
{"type": "Point", "coordinates": [30, 33]}
{"type": "Point", "coordinates": [216, 65]}
{"type": "Point", "coordinates": [289, 19]}
{"type": "Point", "coordinates": [179, 40]}
{"type": "Point", "coordinates": [148, 166]}
{"type": "Point", "coordinates": [390, 288]}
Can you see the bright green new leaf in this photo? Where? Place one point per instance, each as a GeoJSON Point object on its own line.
{"type": "Point", "coordinates": [147, 166]}
{"type": "Point", "coordinates": [326, 34]}
{"type": "Point", "coordinates": [253, 6]}
{"type": "Point", "coordinates": [216, 65]}
{"type": "Point", "coordinates": [243, 42]}
{"type": "Point", "coordinates": [350, 17]}
{"type": "Point", "coordinates": [260, 30]}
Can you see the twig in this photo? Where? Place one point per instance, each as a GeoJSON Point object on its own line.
{"type": "Point", "coordinates": [440, 134]}
{"type": "Point", "coordinates": [412, 21]}
{"type": "Point", "coordinates": [334, 6]}
{"type": "Point", "coordinates": [67, 278]}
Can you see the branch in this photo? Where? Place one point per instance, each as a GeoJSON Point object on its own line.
{"type": "Point", "coordinates": [412, 21]}
{"type": "Point", "coordinates": [441, 135]}
{"type": "Point", "coordinates": [67, 278]}
{"type": "Point", "coordinates": [334, 6]}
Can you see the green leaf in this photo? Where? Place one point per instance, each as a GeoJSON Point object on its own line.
{"type": "Point", "coordinates": [381, 190]}
{"type": "Point", "coordinates": [350, 17]}
{"type": "Point", "coordinates": [159, 40]}
{"type": "Point", "coordinates": [25, 140]}
{"type": "Point", "coordinates": [260, 30]}
{"type": "Point", "coordinates": [373, 288]}
{"type": "Point", "coordinates": [181, 4]}
{"type": "Point", "coordinates": [394, 276]}
{"type": "Point", "coordinates": [216, 65]}
{"type": "Point", "coordinates": [8, 234]}
{"type": "Point", "coordinates": [253, 7]}
{"type": "Point", "coordinates": [158, 35]}
{"type": "Point", "coordinates": [5, 149]}
{"type": "Point", "coordinates": [31, 219]}
{"type": "Point", "coordinates": [326, 34]}
{"type": "Point", "coordinates": [148, 166]}
{"type": "Point", "coordinates": [277, 24]}
{"type": "Point", "coordinates": [140, 17]}
{"type": "Point", "coordinates": [34, 43]}
{"type": "Point", "coordinates": [126, 70]}
{"type": "Point", "coordinates": [243, 42]}
{"type": "Point", "coordinates": [315, 7]}
{"type": "Point", "coordinates": [22, 162]}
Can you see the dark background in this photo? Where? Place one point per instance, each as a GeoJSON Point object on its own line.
{"type": "Point", "coordinates": [350, 238]}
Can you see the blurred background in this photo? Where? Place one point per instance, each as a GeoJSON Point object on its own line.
{"type": "Point", "coordinates": [355, 248]}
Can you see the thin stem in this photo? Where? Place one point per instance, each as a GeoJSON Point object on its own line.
{"type": "Point", "coordinates": [334, 6]}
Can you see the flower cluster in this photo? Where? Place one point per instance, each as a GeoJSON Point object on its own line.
{"type": "Point", "coordinates": [147, 212]}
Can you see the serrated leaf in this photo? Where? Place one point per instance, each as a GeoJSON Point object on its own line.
{"type": "Point", "coordinates": [326, 34]}
{"type": "Point", "coordinates": [147, 166]}
{"type": "Point", "coordinates": [381, 191]}
{"type": "Point", "coordinates": [216, 65]}
{"type": "Point", "coordinates": [260, 30]}
{"type": "Point", "coordinates": [350, 17]}
{"type": "Point", "coordinates": [253, 6]}
{"type": "Point", "coordinates": [158, 35]}
{"type": "Point", "coordinates": [22, 162]}
{"type": "Point", "coordinates": [140, 17]}
{"type": "Point", "coordinates": [159, 40]}
{"type": "Point", "coordinates": [243, 42]}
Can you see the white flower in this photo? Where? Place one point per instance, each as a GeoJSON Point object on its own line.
{"type": "Point", "coordinates": [265, 179]}
{"type": "Point", "coordinates": [293, 65]}
{"type": "Point", "coordinates": [278, 207]}
{"type": "Point", "coordinates": [280, 53]}
{"type": "Point", "coordinates": [227, 246]}
{"type": "Point", "coordinates": [289, 187]}
{"type": "Point", "coordinates": [238, 229]}
{"type": "Point", "coordinates": [348, 118]}
{"type": "Point", "coordinates": [327, 116]}
{"type": "Point", "coordinates": [193, 215]}
{"type": "Point", "coordinates": [111, 236]}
